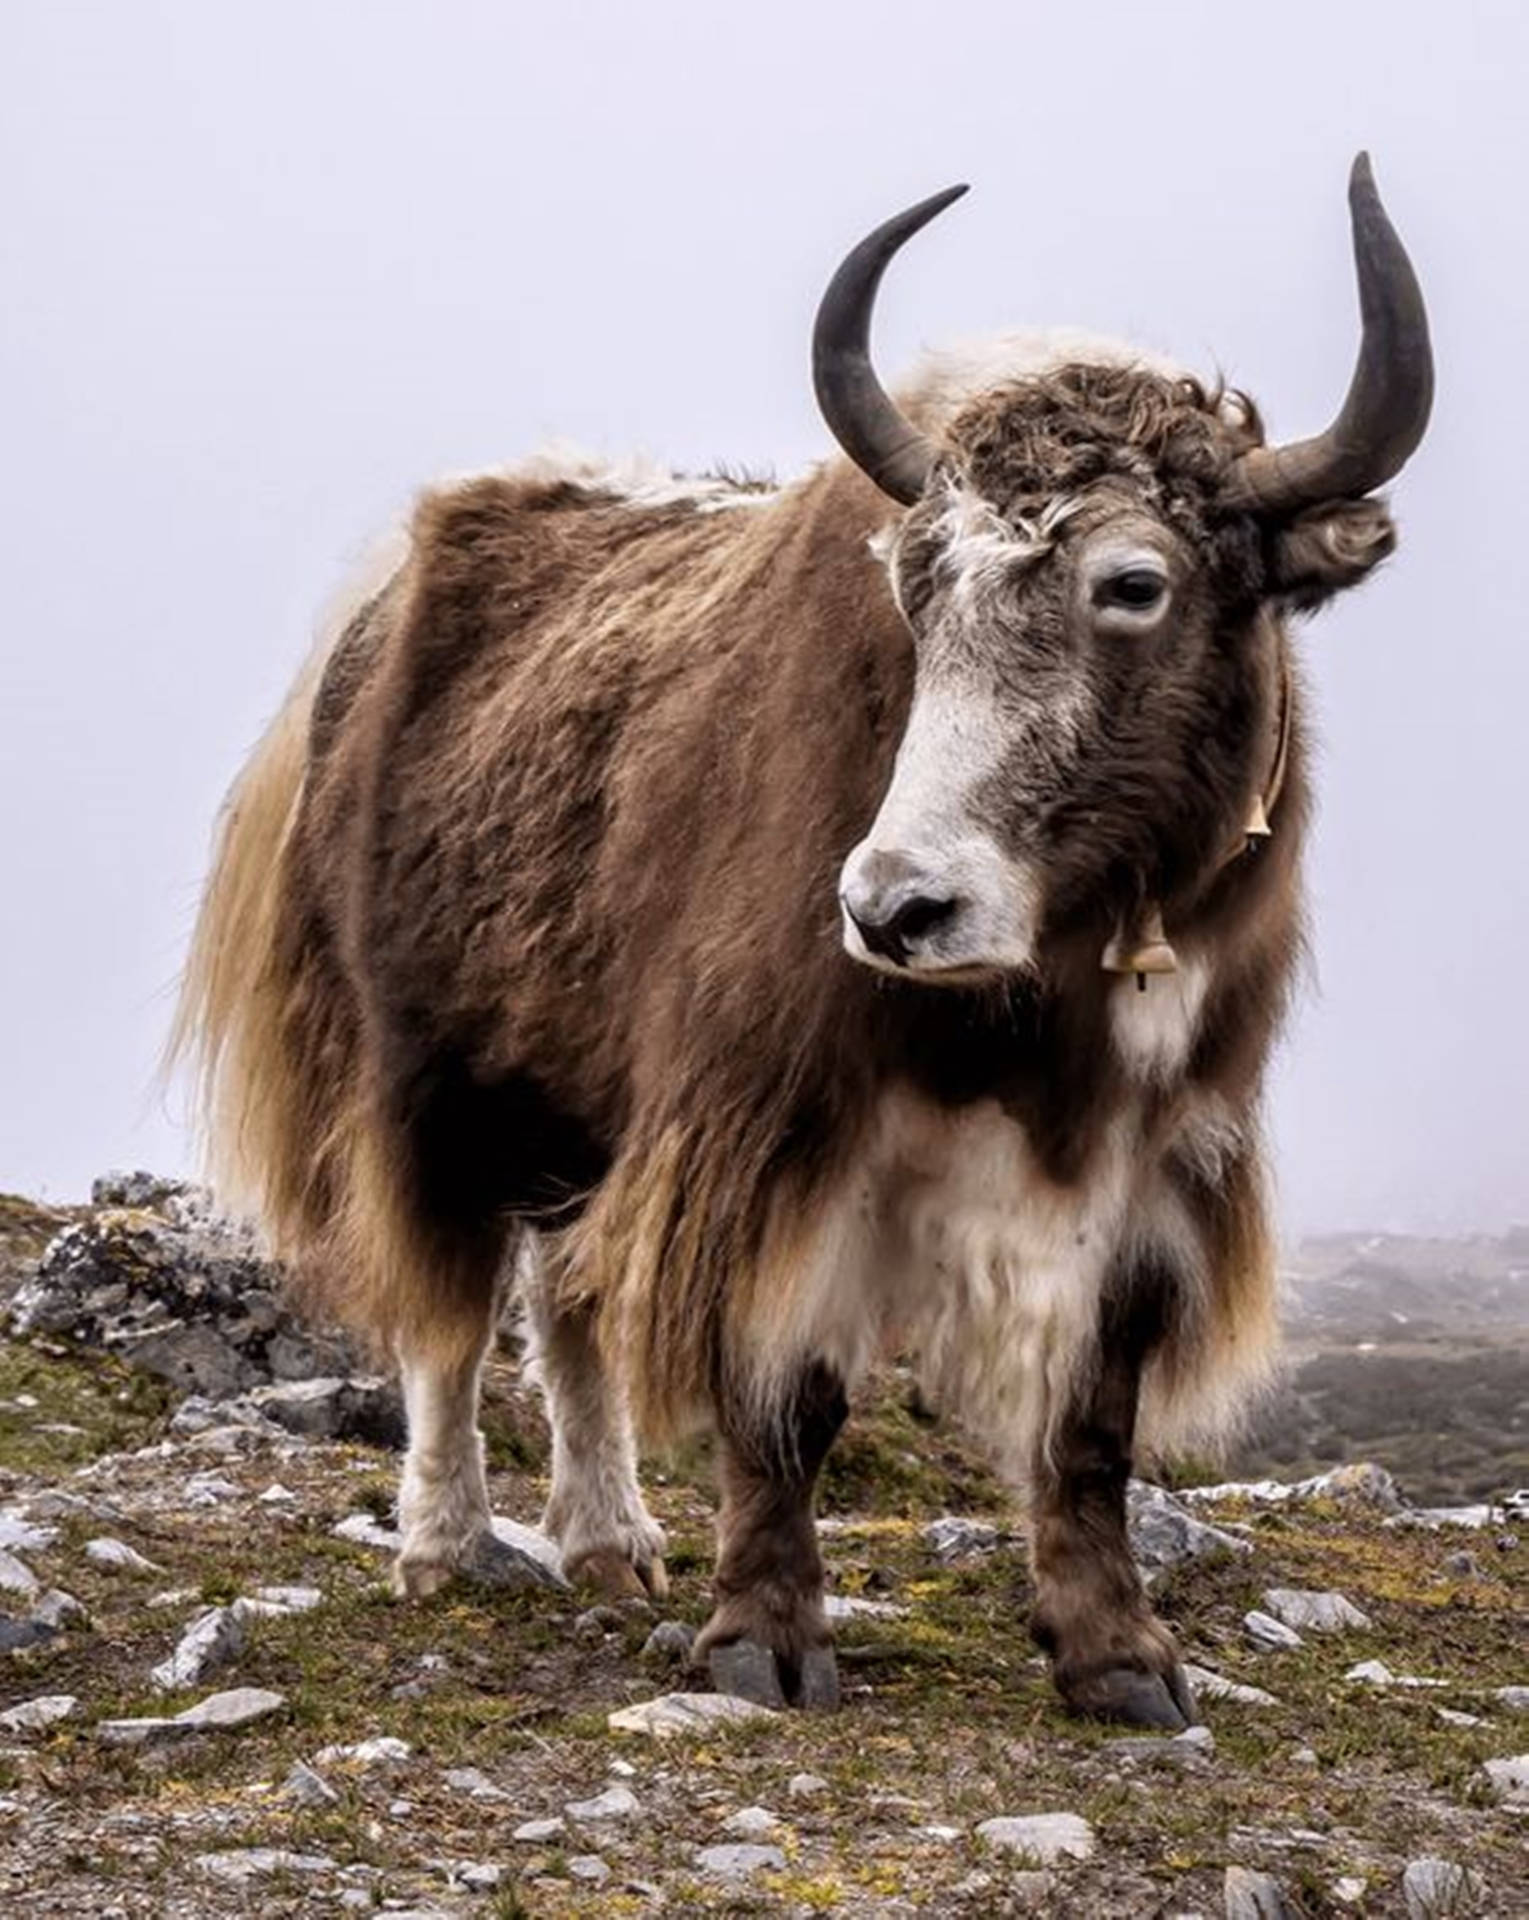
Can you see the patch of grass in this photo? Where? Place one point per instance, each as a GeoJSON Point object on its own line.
{"type": "Point", "coordinates": [85, 1404]}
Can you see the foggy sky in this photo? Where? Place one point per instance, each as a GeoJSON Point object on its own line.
{"type": "Point", "coordinates": [268, 269]}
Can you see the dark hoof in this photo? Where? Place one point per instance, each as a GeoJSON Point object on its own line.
{"type": "Point", "coordinates": [754, 1672]}
{"type": "Point", "coordinates": [608, 1570]}
{"type": "Point", "coordinates": [1161, 1701]}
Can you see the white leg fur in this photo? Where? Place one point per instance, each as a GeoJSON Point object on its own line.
{"type": "Point", "coordinates": [595, 1512]}
{"type": "Point", "coordinates": [443, 1505]}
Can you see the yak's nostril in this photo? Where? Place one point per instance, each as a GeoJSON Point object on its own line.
{"type": "Point", "coordinates": [891, 930]}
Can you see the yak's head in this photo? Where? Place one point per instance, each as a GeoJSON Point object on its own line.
{"type": "Point", "coordinates": [1093, 565]}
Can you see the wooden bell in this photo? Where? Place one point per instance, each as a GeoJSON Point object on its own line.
{"type": "Point", "coordinates": [1141, 948]}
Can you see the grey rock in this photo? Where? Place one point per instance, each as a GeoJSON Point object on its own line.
{"type": "Point", "coordinates": [736, 1861]}
{"type": "Point", "coordinates": [139, 1189]}
{"type": "Point", "coordinates": [1164, 1533]}
{"type": "Point", "coordinates": [616, 1803]}
{"type": "Point", "coordinates": [306, 1788]}
{"type": "Point", "coordinates": [1254, 1896]}
{"type": "Point", "coordinates": [1461, 1565]}
{"type": "Point", "coordinates": [1269, 1634]}
{"type": "Point", "coordinates": [588, 1867]}
{"type": "Point", "coordinates": [218, 1713]}
{"type": "Point", "coordinates": [1433, 1889]}
{"type": "Point", "coordinates": [1313, 1612]}
{"type": "Point", "coordinates": [677, 1713]}
{"type": "Point", "coordinates": [382, 1750]}
{"type": "Point", "coordinates": [478, 1876]}
{"type": "Point", "coordinates": [751, 1823]}
{"type": "Point", "coordinates": [806, 1786]}
{"type": "Point", "coordinates": [1043, 1837]}
{"type": "Point", "coordinates": [953, 1537]}
{"type": "Point", "coordinates": [118, 1556]}
{"type": "Point", "coordinates": [1215, 1686]}
{"type": "Point", "coordinates": [211, 1640]}
{"type": "Point", "coordinates": [277, 1600]}
{"type": "Point", "coordinates": [16, 1531]}
{"type": "Point", "coordinates": [352, 1407]}
{"type": "Point", "coordinates": [16, 1634]}
{"type": "Point", "coordinates": [670, 1641]}
{"type": "Point", "coordinates": [1510, 1779]}
{"type": "Point", "coordinates": [1515, 1699]}
{"type": "Point", "coordinates": [473, 1781]}
{"type": "Point", "coordinates": [1452, 1718]}
{"type": "Point", "coordinates": [1377, 1674]}
{"type": "Point", "coordinates": [253, 1863]}
{"type": "Point", "coordinates": [1361, 1482]}
{"type": "Point", "coordinates": [1192, 1749]}
{"type": "Point", "coordinates": [595, 1622]}
{"type": "Point", "coordinates": [16, 1576]}
{"type": "Point", "coordinates": [34, 1716]}
{"type": "Point", "coordinates": [538, 1832]}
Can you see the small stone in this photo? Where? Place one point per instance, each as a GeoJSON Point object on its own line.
{"type": "Point", "coordinates": [382, 1750]}
{"type": "Point", "coordinates": [1268, 1634]}
{"type": "Point", "coordinates": [279, 1600]}
{"type": "Point", "coordinates": [806, 1786]}
{"type": "Point", "coordinates": [1215, 1686]}
{"type": "Point", "coordinates": [934, 1831]}
{"type": "Point", "coordinates": [478, 1876]}
{"type": "Point", "coordinates": [749, 1823]}
{"type": "Point", "coordinates": [1254, 1896]}
{"type": "Point", "coordinates": [675, 1713]}
{"type": "Point", "coordinates": [212, 1640]}
{"type": "Point", "coordinates": [356, 1407]}
{"type": "Point", "coordinates": [623, 1769]}
{"type": "Point", "coordinates": [596, 1622]}
{"type": "Point", "coordinates": [16, 1576]}
{"type": "Point", "coordinates": [670, 1641]}
{"type": "Point", "coordinates": [1350, 1889]}
{"type": "Point", "coordinates": [953, 1537]}
{"type": "Point", "coordinates": [1452, 1718]}
{"type": "Point", "coordinates": [1460, 1565]}
{"type": "Point", "coordinates": [1314, 1612]}
{"type": "Point", "coordinates": [218, 1713]}
{"type": "Point", "coordinates": [366, 1530]}
{"type": "Point", "coordinates": [400, 1809]}
{"type": "Point", "coordinates": [32, 1716]}
{"type": "Point", "coordinates": [1515, 1699]}
{"type": "Point", "coordinates": [173, 1597]}
{"type": "Point", "coordinates": [16, 1634]}
{"type": "Point", "coordinates": [250, 1863]}
{"type": "Point", "coordinates": [57, 1610]}
{"type": "Point", "coordinates": [1510, 1779]}
{"type": "Point", "coordinates": [276, 1495]}
{"type": "Point", "coordinates": [1377, 1674]}
{"type": "Point", "coordinates": [1045, 1837]}
{"type": "Point", "coordinates": [24, 1534]}
{"type": "Point", "coordinates": [305, 1788]}
{"type": "Point", "coordinates": [854, 1606]}
{"type": "Point", "coordinates": [616, 1803]}
{"type": "Point", "coordinates": [1433, 1888]}
{"type": "Point", "coordinates": [737, 1861]}
{"type": "Point", "coordinates": [471, 1780]}
{"type": "Point", "coordinates": [118, 1556]}
{"type": "Point", "coordinates": [1192, 1748]}
{"type": "Point", "coordinates": [538, 1832]}
{"type": "Point", "coordinates": [588, 1866]}
{"type": "Point", "coordinates": [1304, 1757]}
{"type": "Point", "coordinates": [1164, 1534]}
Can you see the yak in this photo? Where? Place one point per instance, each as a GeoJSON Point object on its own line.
{"type": "Point", "coordinates": [774, 927]}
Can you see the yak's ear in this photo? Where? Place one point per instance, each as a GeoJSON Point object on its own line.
{"type": "Point", "coordinates": [1329, 548]}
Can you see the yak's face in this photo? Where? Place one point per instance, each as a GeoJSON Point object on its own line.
{"type": "Point", "coordinates": [1097, 674]}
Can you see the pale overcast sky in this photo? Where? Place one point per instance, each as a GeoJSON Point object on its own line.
{"type": "Point", "coordinates": [268, 268]}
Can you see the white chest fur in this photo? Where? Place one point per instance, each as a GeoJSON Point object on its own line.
{"type": "Point", "coordinates": [1154, 1021]}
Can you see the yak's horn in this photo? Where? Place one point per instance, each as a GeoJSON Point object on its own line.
{"type": "Point", "coordinates": [864, 421]}
{"type": "Point", "coordinates": [1386, 409]}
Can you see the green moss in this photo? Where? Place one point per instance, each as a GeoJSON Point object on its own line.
{"type": "Point", "coordinates": [86, 1404]}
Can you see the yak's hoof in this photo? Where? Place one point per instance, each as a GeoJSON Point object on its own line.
{"type": "Point", "coordinates": [753, 1672]}
{"type": "Point", "coordinates": [1160, 1700]}
{"type": "Point", "coordinates": [610, 1571]}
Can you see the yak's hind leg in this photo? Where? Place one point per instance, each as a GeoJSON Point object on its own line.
{"type": "Point", "coordinates": [768, 1637]}
{"type": "Point", "coordinates": [595, 1512]}
{"type": "Point", "coordinates": [443, 1510]}
{"type": "Point", "coordinates": [1111, 1657]}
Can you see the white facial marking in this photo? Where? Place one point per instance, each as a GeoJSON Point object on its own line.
{"type": "Point", "coordinates": [1155, 1027]}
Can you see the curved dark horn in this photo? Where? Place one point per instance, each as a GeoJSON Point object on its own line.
{"type": "Point", "coordinates": [1389, 397]}
{"type": "Point", "coordinates": [863, 420]}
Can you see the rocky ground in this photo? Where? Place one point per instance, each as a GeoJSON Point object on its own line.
{"type": "Point", "coordinates": [210, 1704]}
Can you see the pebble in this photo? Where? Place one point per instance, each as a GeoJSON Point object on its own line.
{"type": "Point", "coordinates": [212, 1640]}
{"type": "Point", "coordinates": [276, 1495]}
{"type": "Point", "coordinates": [1300, 1607]}
{"type": "Point", "coordinates": [588, 1866]}
{"type": "Point", "coordinates": [1268, 1634]}
{"type": "Point", "coordinates": [305, 1788]}
{"type": "Point", "coordinates": [596, 1622]}
{"type": "Point", "coordinates": [249, 1863]}
{"type": "Point", "coordinates": [1377, 1674]}
{"type": "Point", "coordinates": [538, 1832]}
{"type": "Point", "coordinates": [1215, 1686]}
{"type": "Point", "coordinates": [736, 1862]}
{"type": "Point", "coordinates": [673, 1713]}
{"type": "Point", "coordinates": [1360, 1480]}
{"type": "Point", "coordinates": [750, 1823]}
{"type": "Point", "coordinates": [478, 1876]}
{"type": "Point", "coordinates": [616, 1803]}
{"type": "Point", "coordinates": [1192, 1748]}
{"type": "Point", "coordinates": [1515, 1699]}
{"type": "Point", "coordinates": [1046, 1837]}
{"type": "Point", "coordinates": [670, 1640]}
{"type": "Point", "coordinates": [218, 1713]}
{"type": "Point", "coordinates": [104, 1551]}
{"type": "Point", "coordinates": [1350, 1889]}
{"type": "Point", "coordinates": [952, 1537]}
{"type": "Point", "coordinates": [1254, 1896]}
{"type": "Point", "coordinates": [472, 1780]}
{"type": "Point", "coordinates": [1461, 1565]}
{"type": "Point", "coordinates": [56, 1609]}
{"type": "Point", "coordinates": [1510, 1779]}
{"type": "Point", "coordinates": [16, 1576]}
{"type": "Point", "coordinates": [1433, 1888]}
{"type": "Point", "coordinates": [1165, 1534]}
{"type": "Point", "coordinates": [852, 1606]}
{"type": "Point", "coordinates": [278, 1600]}
{"type": "Point", "coordinates": [31, 1716]}
{"type": "Point", "coordinates": [381, 1750]}
{"type": "Point", "coordinates": [803, 1786]}
{"type": "Point", "coordinates": [1452, 1718]}
{"type": "Point", "coordinates": [16, 1531]}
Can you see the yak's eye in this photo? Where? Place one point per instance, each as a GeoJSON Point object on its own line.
{"type": "Point", "coordinates": [1133, 589]}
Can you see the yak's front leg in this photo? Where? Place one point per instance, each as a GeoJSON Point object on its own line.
{"type": "Point", "coordinates": [1111, 1657]}
{"type": "Point", "coordinates": [768, 1638]}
